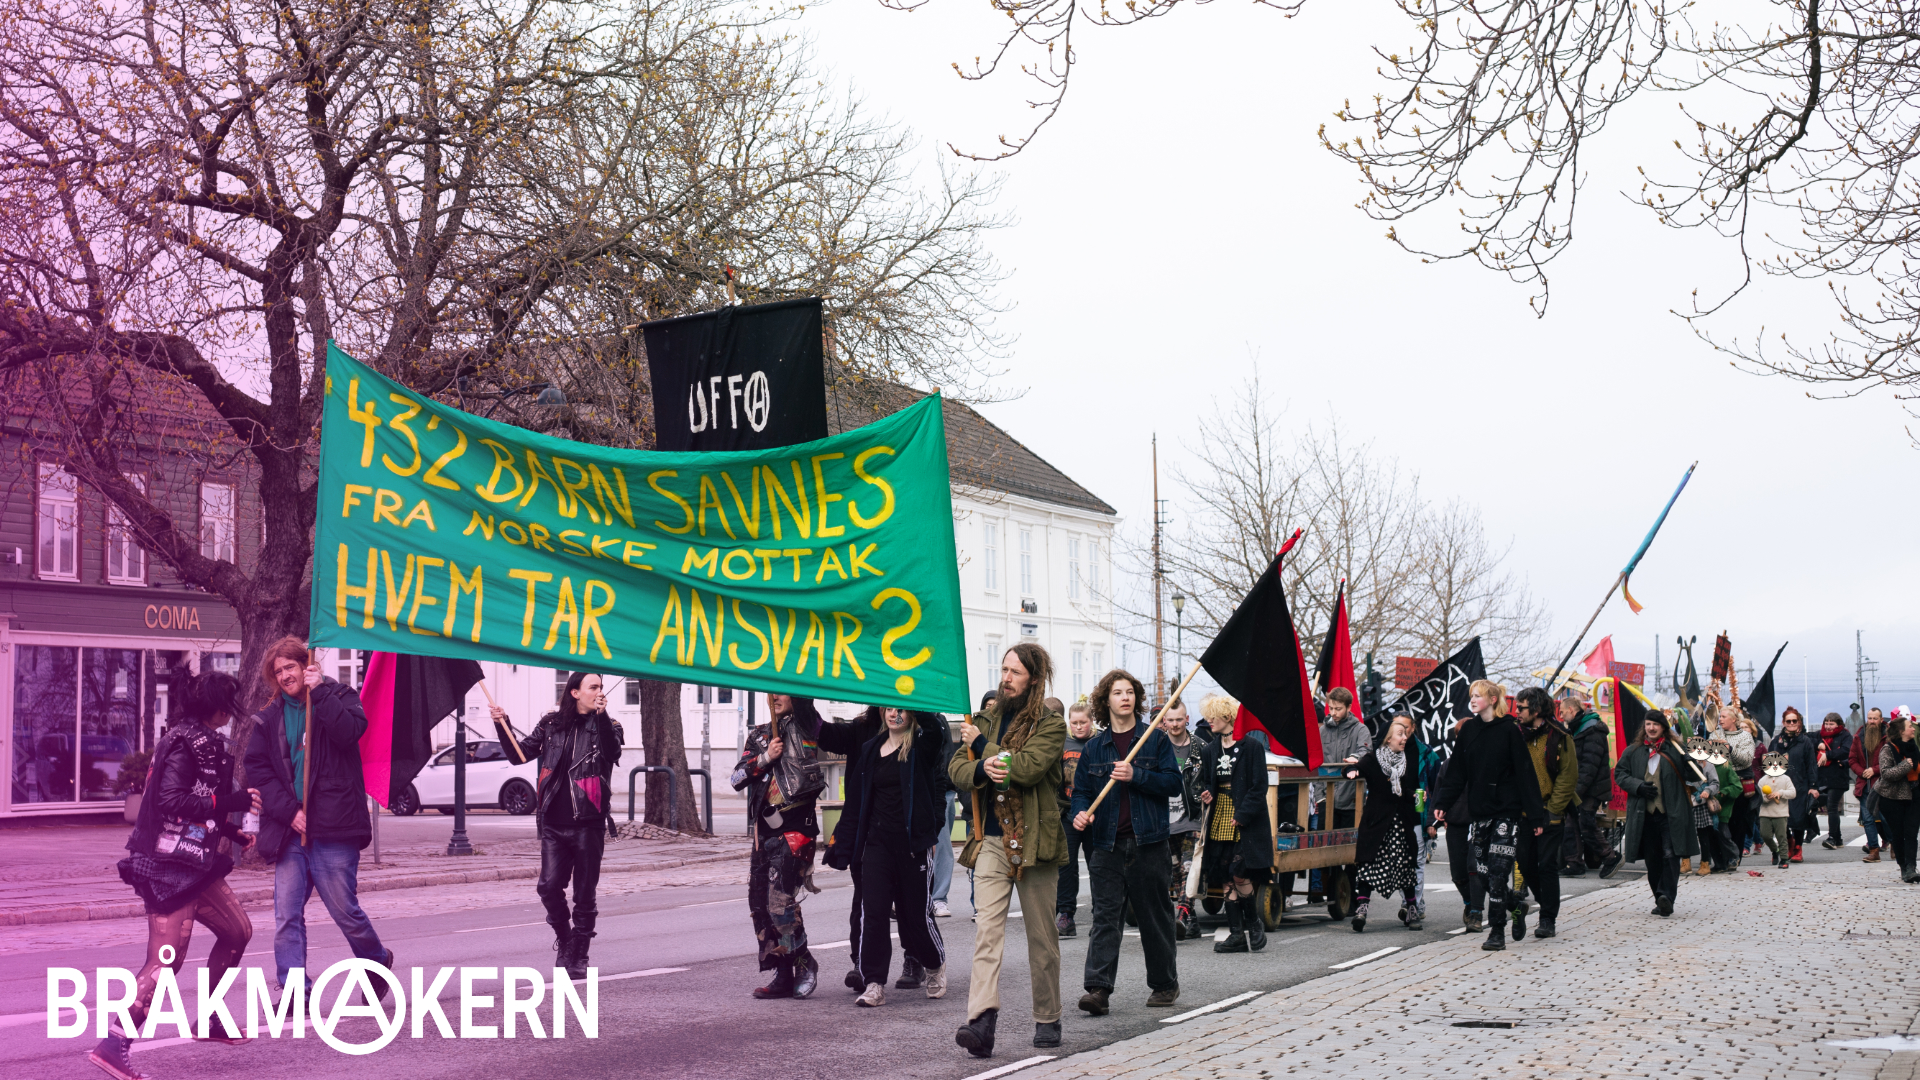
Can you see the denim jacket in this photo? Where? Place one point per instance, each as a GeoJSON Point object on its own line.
{"type": "Point", "coordinates": [1156, 778]}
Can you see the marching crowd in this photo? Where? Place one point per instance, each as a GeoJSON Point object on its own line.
{"type": "Point", "coordinates": [1163, 815]}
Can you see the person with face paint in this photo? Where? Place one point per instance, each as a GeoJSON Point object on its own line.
{"type": "Point", "coordinates": [1655, 774]}
{"type": "Point", "coordinates": [1777, 792]}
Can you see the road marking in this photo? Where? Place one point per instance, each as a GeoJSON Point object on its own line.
{"type": "Point", "coordinates": [1225, 1003]}
{"type": "Point", "coordinates": [17, 1019]}
{"type": "Point", "coordinates": [1003, 1070]}
{"type": "Point", "coordinates": [633, 975]}
{"type": "Point", "coordinates": [710, 903]}
{"type": "Point", "coordinates": [1462, 930]}
{"type": "Point", "coordinates": [1858, 841]}
{"type": "Point", "coordinates": [509, 926]}
{"type": "Point", "coordinates": [1443, 887]}
{"type": "Point", "coordinates": [1357, 961]}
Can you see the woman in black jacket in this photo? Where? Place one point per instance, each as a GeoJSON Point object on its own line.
{"type": "Point", "coordinates": [177, 862]}
{"type": "Point", "coordinates": [1387, 850]}
{"type": "Point", "coordinates": [1239, 837]}
{"type": "Point", "coordinates": [899, 809]}
{"type": "Point", "coordinates": [846, 740]}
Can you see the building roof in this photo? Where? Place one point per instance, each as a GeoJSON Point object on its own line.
{"type": "Point", "coordinates": [979, 452]}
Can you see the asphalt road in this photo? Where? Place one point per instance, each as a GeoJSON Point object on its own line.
{"type": "Point", "coordinates": [683, 1008]}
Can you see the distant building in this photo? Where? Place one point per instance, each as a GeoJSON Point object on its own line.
{"type": "Point", "coordinates": [93, 630]}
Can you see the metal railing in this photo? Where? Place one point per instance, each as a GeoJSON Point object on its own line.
{"type": "Point", "coordinates": [673, 801]}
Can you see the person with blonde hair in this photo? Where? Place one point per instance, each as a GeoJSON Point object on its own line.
{"type": "Point", "coordinates": [1239, 845]}
{"type": "Point", "coordinates": [1492, 768]}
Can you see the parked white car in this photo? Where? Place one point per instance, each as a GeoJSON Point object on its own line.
{"type": "Point", "coordinates": [492, 781]}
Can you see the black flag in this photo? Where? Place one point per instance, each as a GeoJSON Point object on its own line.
{"type": "Point", "coordinates": [404, 697]}
{"type": "Point", "coordinates": [1256, 658]}
{"type": "Point", "coordinates": [1436, 701]}
{"type": "Point", "coordinates": [740, 378]}
{"type": "Point", "coordinates": [1759, 703]}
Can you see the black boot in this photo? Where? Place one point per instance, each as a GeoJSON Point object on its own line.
{"type": "Point", "coordinates": [562, 943]}
{"type": "Point", "coordinates": [806, 976]}
{"type": "Point", "coordinates": [782, 984]}
{"type": "Point", "coordinates": [577, 956]}
{"type": "Point", "coordinates": [976, 1036]}
{"type": "Point", "coordinates": [1497, 929]}
{"type": "Point", "coordinates": [1236, 940]}
{"type": "Point", "coordinates": [910, 975]}
{"type": "Point", "coordinates": [1190, 921]}
{"type": "Point", "coordinates": [1250, 917]}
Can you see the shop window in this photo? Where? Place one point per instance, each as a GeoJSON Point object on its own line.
{"type": "Point", "coordinates": [126, 559]}
{"type": "Point", "coordinates": [46, 689]}
{"type": "Point", "coordinates": [109, 719]}
{"type": "Point", "coordinates": [216, 521]}
{"type": "Point", "coordinates": [59, 525]}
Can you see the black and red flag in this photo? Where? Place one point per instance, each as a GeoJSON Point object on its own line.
{"type": "Point", "coordinates": [405, 696]}
{"type": "Point", "coordinates": [1256, 658]}
{"type": "Point", "coordinates": [1335, 666]}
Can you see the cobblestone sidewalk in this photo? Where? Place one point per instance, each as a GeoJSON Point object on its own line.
{"type": "Point", "coordinates": [1751, 977]}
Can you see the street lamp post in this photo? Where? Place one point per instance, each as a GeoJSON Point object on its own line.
{"type": "Point", "coordinates": [1179, 632]}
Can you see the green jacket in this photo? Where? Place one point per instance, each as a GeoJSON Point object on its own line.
{"type": "Point", "coordinates": [1036, 775]}
{"type": "Point", "coordinates": [1730, 788]}
{"type": "Point", "coordinates": [1557, 791]}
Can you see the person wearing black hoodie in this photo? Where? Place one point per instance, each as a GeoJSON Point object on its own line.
{"type": "Point", "coordinates": [176, 863]}
{"type": "Point", "coordinates": [578, 745]}
{"type": "Point", "coordinates": [1582, 848]}
{"type": "Point", "coordinates": [1493, 769]}
{"type": "Point", "coordinates": [847, 739]}
{"type": "Point", "coordinates": [786, 829]}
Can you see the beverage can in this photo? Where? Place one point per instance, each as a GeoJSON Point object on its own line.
{"type": "Point", "coordinates": [1005, 758]}
{"type": "Point", "coordinates": [250, 823]}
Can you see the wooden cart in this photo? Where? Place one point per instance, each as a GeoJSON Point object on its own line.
{"type": "Point", "coordinates": [1310, 849]}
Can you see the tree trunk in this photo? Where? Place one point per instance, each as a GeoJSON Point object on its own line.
{"type": "Point", "coordinates": [663, 739]}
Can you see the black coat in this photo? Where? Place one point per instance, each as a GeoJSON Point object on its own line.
{"type": "Point", "coordinates": [847, 740]}
{"type": "Point", "coordinates": [1803, 757]}
{"type": "Point", "coordinates": [1676, 772]}
{"type": "Point", "coordinates": [1384, 810]}
{"type": "Point", "coordinates": [337, 799]}
{"type": "Point", "coordinates": [1491, 766]}
{"type": "Point", "coordinates": [1590, 743]}
{"type": "Point", "coordinates": [1249, 792]}
{"type": "Point", "coordinates": [190, 780]}
{"type": "Point", "coordinates": [1835, 772]}
{"type": "Point", "coordinates": [920, 791]}
{"type": "Point", "coordinates": [588, 747]}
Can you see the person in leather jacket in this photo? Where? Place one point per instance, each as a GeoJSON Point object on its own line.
{"type": "Point", "coordinates": [177, 863]}
{"type": "Point", "coordinates": [786, 832]}
{"type": "Point", "coordinates": [578, 745]}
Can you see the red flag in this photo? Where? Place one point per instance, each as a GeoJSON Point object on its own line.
{"type": "Point", "coordinates": [404, 697]}
{"type": "Point", "coordinates": [1335, 667]}
{"type": "Point", "coordinates": [1599, 662]}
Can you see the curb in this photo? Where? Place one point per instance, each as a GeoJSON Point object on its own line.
{"type": "Point", "coordinates": [121, 909]}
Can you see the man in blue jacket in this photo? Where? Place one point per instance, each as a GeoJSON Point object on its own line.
{"type": "Point", "coordinates": [1126, 840]}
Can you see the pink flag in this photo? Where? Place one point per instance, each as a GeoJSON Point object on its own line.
{"type": "Point", "coordinates": [1597, 662]}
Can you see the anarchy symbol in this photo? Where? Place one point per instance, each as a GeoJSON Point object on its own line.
{"type": "Point", "coordinates": [759, 401]}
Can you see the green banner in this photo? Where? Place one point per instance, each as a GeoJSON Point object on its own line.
{"type": "Point", "coordinates": [823, 570]}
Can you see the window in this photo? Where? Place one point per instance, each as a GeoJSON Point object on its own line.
{"type": "Point", "coordinates": [1099, 660]}
{"type": "Point", "coordinates": [560, 685]}
{"type": "Point", "coordinates": [990, 560]}
{"type": "Point", "coordinates": [1093, 567]}
{"type": "Point", "coordinates": [1026, 561]}
{"type": "Point", "coordinates": [726, 695]}
{"type": "Point", "coordinates": [995, 653]}
{"type": "Point", "coordinates": [1073, 568]}
{"type": "Point", "coordinates": [126, 559]}
{"type": "Point", "coordinates": [1079, 671]}
{"type": "Point", "coordinates": [633, 691]}
{"type": "Point", "coordinates": [59, 524]}
{"type": "Point", "coordinates": [216, 521]}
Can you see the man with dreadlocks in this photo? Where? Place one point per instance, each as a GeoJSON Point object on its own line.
{"type": "Point", "coordinates": [1012, 773]}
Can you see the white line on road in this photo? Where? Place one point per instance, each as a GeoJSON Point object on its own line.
{"type": "Point", "coordinates": [509, 926]}
{"type": "Point", "coordinates": [1462, 930]}
{"type": "Point", "coordinates": [17, 1019]}
{"type": "Point", "coordinates": [710, 903]}
{"type": "Point", "coordinates": [1357, 961]}
{"type": "Point", "coordinates": [634, 975]}
{"type": "Point", "coordinates": [1225, 1003]}
{"type": "Point", "coordinates": [1015, 1067]}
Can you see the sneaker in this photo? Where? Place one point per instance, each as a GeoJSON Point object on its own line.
{"type": "Point", "coordinates": [936, 982]}
{"type": "Point", "coordinates": [1609, 863]}
{"type": "Point", "coordinates": [1575, 870]}
{"type": "Point", "coordinates": [1473, 921]}
{"type": "Point", "coordinates": [941, 910]}
{"type": "Point", "coordinates": [874, 996]}
{"type": "Point", "coordinates": [1161, 999]}
{"type": "Point", "coordinates": [1064, 924]}
{"type": "Point", "coordinates": [1829, 843]}
{"type": "Point", "coordinates": [114, 1056]}
{"type": "Point", "coordinates": [1094, 1002]}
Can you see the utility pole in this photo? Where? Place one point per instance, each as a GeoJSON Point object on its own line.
{"type": "Point", "coordinates": [1656, 663]}
{"type": "Point", "coordinates": [1159, 573]}
{"type": "Point", "coordinates": [706, 729]}
{"type": "Point", "coordinates": [1863, 666]}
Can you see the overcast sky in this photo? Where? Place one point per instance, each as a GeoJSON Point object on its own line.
{"type": "Point", "coordinates": [1179, 219]}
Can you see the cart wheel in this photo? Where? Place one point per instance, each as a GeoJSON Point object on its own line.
{"type": "Point", "coordinates": [1271, 905]}
{"type": "Point", "coordinates": [1212, 904]}
{"type": "Point", "coordinates": [1340, 896]}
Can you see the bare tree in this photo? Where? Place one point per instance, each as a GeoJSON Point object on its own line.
{"type": "Point", "coordinates": [472, 197]}
{"type": "Point", "coordinates": [1420, 580]}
